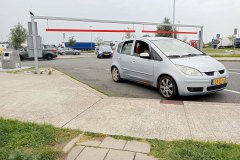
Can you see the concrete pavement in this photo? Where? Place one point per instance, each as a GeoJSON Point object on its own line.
{"type": "Point", "coordinates": [110, 149]}
{"type": "Point", "coordinates": [59, 100]}
{"type": "Point", "coordinates": [82, 55]}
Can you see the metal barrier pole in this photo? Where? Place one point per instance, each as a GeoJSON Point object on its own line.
{"type": "Point", "coordinates": [34, 45]}
{"type": "Point", "coordinates": [200, 40]}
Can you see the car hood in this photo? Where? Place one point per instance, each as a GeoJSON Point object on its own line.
{"type": "Point", "coordinates": [202, 63]}
{"type": "Point", "coordinates": [105, 50]}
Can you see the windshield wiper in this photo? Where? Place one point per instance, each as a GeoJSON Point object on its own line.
{"type": "Point", "coordinates": [174, 56]}
{"type": "Point", "coordinates": [189, 55]}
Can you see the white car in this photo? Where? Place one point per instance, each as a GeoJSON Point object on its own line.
{"type": "Point", "coordinates": [172, 66]}
{"type": "Point", "coordinates": [68, 51]}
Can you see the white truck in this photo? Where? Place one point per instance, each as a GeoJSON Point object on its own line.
{"type": "Point", "coordinates": [225, 42]}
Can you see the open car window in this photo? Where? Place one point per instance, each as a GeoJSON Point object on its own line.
{"type": "Point", "coordinates": [140, 47]}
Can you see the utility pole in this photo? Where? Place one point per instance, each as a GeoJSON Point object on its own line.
{"type": "Point", "coordinates": [63, 37]}
{"type": "Point", "coordinates": [91, 36]}
{"type": "Point", "coordinates": [173, 17]}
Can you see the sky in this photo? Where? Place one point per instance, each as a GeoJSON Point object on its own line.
{"type": "Point", "coordinates": [216, 16]}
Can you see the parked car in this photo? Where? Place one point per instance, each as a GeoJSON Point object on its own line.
{"type": "Point", "coordinates": [104, 51]}
{"type": "Point", "coordinates": [47, 54]}
{"type": "Point", "coordinates": [52, 48]}
{"type": "Point", "coordinates": [172, 66]}
{"type": "Point", "coordinates": [68, 51]}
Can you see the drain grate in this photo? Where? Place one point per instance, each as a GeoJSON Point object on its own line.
{"type": "Point", "coordinates": [171, 102]}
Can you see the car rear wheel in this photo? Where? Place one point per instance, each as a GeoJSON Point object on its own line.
{"type": "Point", "coordinates": [167, 87]}
{"type": "Point", "coordinates": [21, 58]}
{"type": "Point", "coordinates": [116, 75]}
{"type": "Point", "coordinates": [49, 57]}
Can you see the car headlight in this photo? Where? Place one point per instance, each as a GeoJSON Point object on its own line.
{"type": "Point", "coordinates": [189, 71]}
{"type": "Point", "coordinates": [100, 52]}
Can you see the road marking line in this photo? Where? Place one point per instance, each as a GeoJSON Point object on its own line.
{"type": "Point", "coordinates": [234, 69]}
{"type": "Point", "coordinates": [234, 72]}
{"type": "Point", "coordinates": [232, 91]}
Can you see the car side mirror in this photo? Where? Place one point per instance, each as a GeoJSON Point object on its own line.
{"type": "Point", "coordinates": [145, 55]}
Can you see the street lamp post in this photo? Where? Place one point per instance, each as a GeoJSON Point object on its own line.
{"type": "Point", "coordinates": [178, 29]}
{"type": "Point", "coordinates": [91, 36]}
{"type": "Point", "coordinates": [173, 16]}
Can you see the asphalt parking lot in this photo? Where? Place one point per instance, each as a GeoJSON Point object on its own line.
{"type": "Point", "coordinates": [96, 73]}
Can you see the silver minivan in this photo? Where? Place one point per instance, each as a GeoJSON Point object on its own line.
{"type": "Point", "coordinates": [172, 66]}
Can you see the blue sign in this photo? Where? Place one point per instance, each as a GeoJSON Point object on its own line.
{"type": "Point", "coordinates": [215, 41]}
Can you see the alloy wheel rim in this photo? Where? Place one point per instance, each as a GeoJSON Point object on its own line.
{"type": "Point", "coordinates": [166, 87]}
{"type": "Point", "coordinates": [115, 74]}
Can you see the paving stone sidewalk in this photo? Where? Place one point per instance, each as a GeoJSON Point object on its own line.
{"type": "Point", "coordinates": [110, 149]}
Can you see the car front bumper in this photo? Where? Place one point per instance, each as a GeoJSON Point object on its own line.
{"type": "Point", "coordinates": [201, 85]}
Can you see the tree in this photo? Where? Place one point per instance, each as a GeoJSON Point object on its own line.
{"type": "Point", "coordinates": [165, 28]}
{"type": "Point", "coordinates": [98, 41]}
{"type": "Point", "coordinates": [128, 35]}
{"type": "Point", "coordinates": [146, 35]}
{"type": "Point", "coordinates": [231, 38]}
{"type": "Point", "coordinates": [18, 35]}
{"type": "Point", "coordinates": [71, 41]}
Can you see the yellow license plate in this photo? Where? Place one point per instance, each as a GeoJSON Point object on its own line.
{"type": "Point", "coordinates": [218, 81]}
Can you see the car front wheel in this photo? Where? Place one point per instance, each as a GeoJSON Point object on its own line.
{"type": "Point", "coordinates": [49, 57]}
{"type": "Point", "coordinates": [116, 74]}
{"type": "Point", "coordinates": [167, 87]}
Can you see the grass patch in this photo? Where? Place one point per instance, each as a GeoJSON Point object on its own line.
{"type": "Point", "coordinates": [29, 141]}
{"type": "Point", "coordinates": [225, 55]}
{"type": "Point", "coordinates": [90, 51]}
{"type": "Point", "coordinates": [94, 135]}
{"type": "Point", "coordinates": [193, 150]}
{"type": "Point", "coordinates": [88, 136]}
{"type": "Point", "coordinates": [211, 50]}
{"type": "Point", "coordinates": [127, 138]}
{"type": "Point", "coordinates": [101, 91]}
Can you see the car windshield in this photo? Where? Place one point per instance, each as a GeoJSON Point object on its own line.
{"type": "Point", "coordinates": [105, 48]}
{"type": "Point", "coordinates": [175, 48]}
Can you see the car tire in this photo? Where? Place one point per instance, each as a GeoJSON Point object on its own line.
{"type": "Point", "coordinates": [167, 87]}
{"type": "Point", "coordinates": [49, 57]}
{"type": "Point", "coordinates": [21, 58]}
{"type": "Point", "coordinates": [116, 74]}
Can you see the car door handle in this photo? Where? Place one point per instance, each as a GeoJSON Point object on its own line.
{"type": "Point", "coordinates": [133, 61]}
